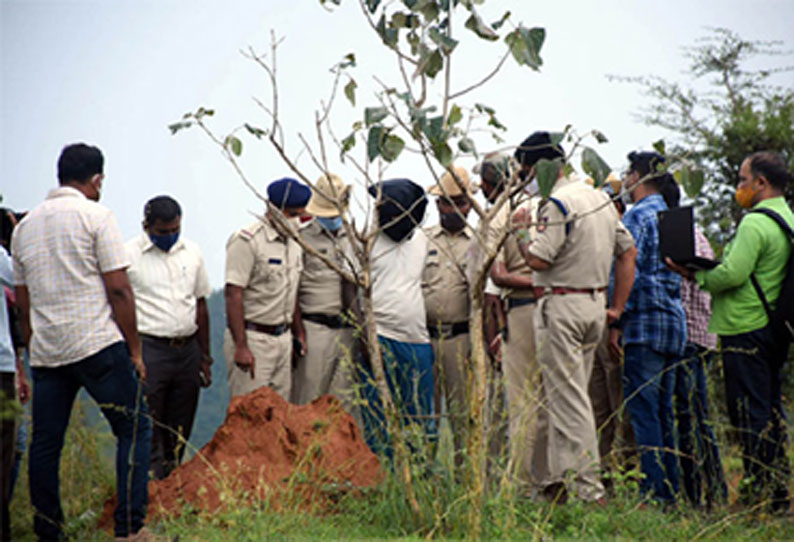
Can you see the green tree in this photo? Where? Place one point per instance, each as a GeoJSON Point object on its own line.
{"type": "Point", "coordinates": [727, 109]}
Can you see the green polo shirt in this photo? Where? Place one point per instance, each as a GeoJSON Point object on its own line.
{"type": "Point", "coordinates": [759, 247]}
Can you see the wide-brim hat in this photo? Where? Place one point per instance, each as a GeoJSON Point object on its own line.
{"type": "Point", "coordinates": [330, 194]}
{"type": "Point", "coordinates": [447, 186]}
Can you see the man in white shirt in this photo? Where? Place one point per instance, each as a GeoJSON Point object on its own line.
{"type": "Point", "coordinates": [170, 282]}
{"type": "Point", "coordinates": [77, 314]}
{"type": "Point", "coordinates": [397, 262]}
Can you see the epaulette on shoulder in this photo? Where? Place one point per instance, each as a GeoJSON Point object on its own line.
{"type": "Point", "coordinates": [250, 231]}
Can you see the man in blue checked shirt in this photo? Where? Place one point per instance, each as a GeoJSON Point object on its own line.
{"type": "Point", "coordinates": [654, 332]}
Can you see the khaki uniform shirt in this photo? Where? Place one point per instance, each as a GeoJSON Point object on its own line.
{"type": "Point", "coordinates": [320, 288]}
{"type": "Point", "coordinates": [444, 281]}
{"type": "Point", "coordinates": [511, 255]}
{"type": "Point", "coordinates": [582, 257]}
{"type": "Point", "coordinates": [267, 266]}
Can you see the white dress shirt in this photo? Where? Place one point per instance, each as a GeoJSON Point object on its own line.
{"type": "Point", "coordinates": [61, 249]}
{"type": "Point", "coordinates": [167, 286]}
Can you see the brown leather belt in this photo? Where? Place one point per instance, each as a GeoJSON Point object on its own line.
{"type": "Point", "coordinates": [559, 290]}
{"type": "Point", "coordinates": [173, 342]}
{"type": "Point", "coordinates": [270, 330]}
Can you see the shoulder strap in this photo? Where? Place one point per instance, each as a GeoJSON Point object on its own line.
{"type": "Point", "coordinates": [787, 229]}
{"type": "Point", "coordinates": [561, 206]}
{"type": "Point", "coordinates": [777, 218]}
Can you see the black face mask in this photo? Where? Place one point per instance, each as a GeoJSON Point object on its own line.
{"type": "Point", "coordinates": [452, 222]}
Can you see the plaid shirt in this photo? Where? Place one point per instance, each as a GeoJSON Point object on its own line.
{"type": "Point", "coordinates": [61, 250]}
{"type": "Point", "coordinates": [697, 302]}
{"type": "Point", "coordinates": [654, 315]}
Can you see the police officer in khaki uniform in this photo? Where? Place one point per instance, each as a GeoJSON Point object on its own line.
{"type": "Point", "coordinates": [513, 275]}
{"type": "Point", "coordinates": [445, 288]}
{"type": "Point", "coordinates": [323, 297]}
{"type": "Point", "coordinates": [263, 266]}
{"type": "Point", "coordinates": [578, 233]}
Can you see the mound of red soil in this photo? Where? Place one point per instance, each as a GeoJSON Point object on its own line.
{"type": "Point", "coordinates": [269, 449]}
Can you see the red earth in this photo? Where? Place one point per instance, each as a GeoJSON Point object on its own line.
{"type": "Point", "coordinates": [269, 450]}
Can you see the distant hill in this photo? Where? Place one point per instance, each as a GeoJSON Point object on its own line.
{"type": "Point", "coordinates": [214, 400]}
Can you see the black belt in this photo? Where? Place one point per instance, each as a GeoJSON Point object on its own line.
{"type": "Point", "coordinates": [513, 302]}
{"type": "Point", "coordinates": [447, 330]}
{"type": "Point", "coordinates": [270, 330]}
{"type": "Point", "coordinates": [334, 321]}
{"type": "Point", "coordinates": [173, 342]}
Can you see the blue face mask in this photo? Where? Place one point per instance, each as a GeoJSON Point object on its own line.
{"type": "Point", "coordinates": [164, 242]}
{"type": "Point", "coordinates": [330, 224]}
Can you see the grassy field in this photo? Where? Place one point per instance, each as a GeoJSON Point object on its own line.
{"type": "Point", "coordinates": [382, 514]}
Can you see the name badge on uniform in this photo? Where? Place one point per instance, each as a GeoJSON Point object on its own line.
{"type": "Point", "coordinates": [432, 252]}
{"type": "Point", "coordinates": [276, 261]}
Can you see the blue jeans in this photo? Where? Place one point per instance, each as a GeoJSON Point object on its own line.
{"type": "Point", "coordinates": [697, 445]}
{"type": "Point", "coordinates": [110, 379]}
{"type": "Point", "coordinates": [648, 378]}
{"type": "Point", "coordinates": [409, 374]}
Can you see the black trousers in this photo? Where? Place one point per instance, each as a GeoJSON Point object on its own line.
{"type": "Point", "coordinates": [172, 391]}
{"type": "Point", "coordinates": [752, 363]}
{"type": "Point", "coordinates": [8, 436]}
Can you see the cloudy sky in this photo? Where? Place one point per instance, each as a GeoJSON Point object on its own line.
{"type": "Point", "coordinates": [115, 74]}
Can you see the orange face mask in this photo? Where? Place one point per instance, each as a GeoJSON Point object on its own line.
{"type": "Point", "coordinates": [744, 196]}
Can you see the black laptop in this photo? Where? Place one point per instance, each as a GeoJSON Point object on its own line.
{"type": "Point", "coordinates": [677, 239]}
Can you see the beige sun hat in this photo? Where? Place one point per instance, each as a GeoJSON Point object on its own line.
{"type": "Point", "coordinates": [327, 193]}
{"type": "Point", "coordinates": [447, 186]}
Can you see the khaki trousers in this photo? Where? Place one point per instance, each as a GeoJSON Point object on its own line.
{"type": "Point", "coordinates": [569, 328]}
{"type": "Point", "coordinates": [327, 366]}
{"type": "Point", "coordinates": [272, 366]}
{"type": "Point", "coordinates": [522, 385]}
{"type": "Point", "coordinates": [449, 370]}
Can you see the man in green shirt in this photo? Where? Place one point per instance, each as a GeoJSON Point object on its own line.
{"type": "Point", "coordinates": [752, 355]}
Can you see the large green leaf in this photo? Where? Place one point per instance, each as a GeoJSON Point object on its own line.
{"type": "Point", "coordinates": [547, 172]}
{"type": "Point", "coordinates": [525, 45]}
{"type": "Point", "coordinates": [387, 34]}
{"type": "Point", "coordinates": [659, 146]}
{"type": "Point", "coordinates": [430, 63]}
{"type": "Point", "coordinates": [479, 27]}
{"type": "Point", "coordinates": [350, 91]}
{"type": "Point", "coordinates": [428, 8]}
{"type": "Point", "coordinates": [434, 130]}
{"type": "Point", "coordinates": [391, 147]}
{"type": "Point", "coordinates": [373, 115]}
{"type": "Point", "coordinates": [594, 166]}
{"type": "Point", "coordinates": [234, 144]}
{"type": "Point", "coordinates": [443, 153]}
{"type": "Point", "coordinates": [347, 143]}
{"type": "Point", "coordinates": [373, 142]}
{"type": "Point", "coordinates": [455, 116]}
{"type": "Point", "coordinates": [467, 145]}
{"type": "Point", "coordinates": [692, 179]}
{"type": "Point", "coordinates": [441, 39]}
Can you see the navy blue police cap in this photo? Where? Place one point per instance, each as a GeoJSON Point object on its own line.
{"type": "Point", "coordinates": [288, 193]}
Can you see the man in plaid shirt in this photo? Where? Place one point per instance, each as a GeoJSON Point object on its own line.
{"type": "Point", "coordinates": [654, 332]}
